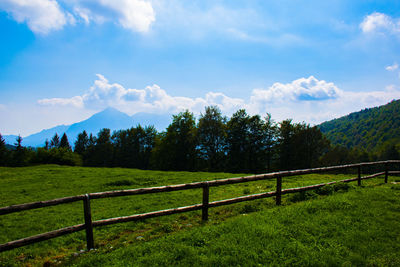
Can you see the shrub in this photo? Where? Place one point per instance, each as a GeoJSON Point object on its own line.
{"type": "Point", "coordinates": [325, 190]}
{"type": "Point", "coordinates": [249, 208]}
{"type": "Point", "coordinates": [341, 187]}
{"type": "Point", "coordinates": [61, 156]}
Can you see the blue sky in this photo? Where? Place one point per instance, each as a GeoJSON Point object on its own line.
{"type": "Point", "coordinates": [64, 60]}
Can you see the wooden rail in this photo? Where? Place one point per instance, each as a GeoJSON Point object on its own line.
{"type": "Point", "coordinates": [204, 206]}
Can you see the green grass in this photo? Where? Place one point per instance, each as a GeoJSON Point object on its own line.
{"type": "Point", "coordinates": [358, 228]}
{"type": "Point", "coordinates": [149, 242]}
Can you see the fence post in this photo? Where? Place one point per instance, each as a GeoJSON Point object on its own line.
{"type": "Point", "coordinates": [386, 172]}
{"type": "Point", "coordinates": [278, 197]}
{"type": "Point", "coordinates": [359, 175]}
{"type": "Point", "coordinates": [206, 193]}
{"type": "Point", "coordinates": [88, 222]}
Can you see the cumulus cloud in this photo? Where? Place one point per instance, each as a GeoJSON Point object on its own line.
{"type": "Point", "coordinates": [303, 89]}
{"type": "Point", "coordinates": [43, 16]}
{"type": "Point", "coordinates": [150, 99]}
{"type": "Point", "coordinates": [305, 99]}
{"type": "Point", "coordinates": [314, 101]}
{"type": "Point", "coordinates": [379, 22]}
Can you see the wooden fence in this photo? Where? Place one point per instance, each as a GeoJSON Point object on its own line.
{"type": "Point", "coordinates": [204, 206]}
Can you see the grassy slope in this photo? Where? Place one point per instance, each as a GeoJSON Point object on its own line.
{"type": "Point", "coordinates": [20, 185]}
{"type": "Point", "coordinates": [357, 228]}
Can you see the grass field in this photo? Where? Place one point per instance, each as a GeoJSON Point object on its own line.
{"type": "Point", "coordinates": [342, 228]}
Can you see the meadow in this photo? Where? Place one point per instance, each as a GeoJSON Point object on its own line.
{"type": "Point", "coordinates": [354, 225]}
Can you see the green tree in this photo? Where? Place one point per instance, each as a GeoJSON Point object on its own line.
{"type": "Point", "coordinates": [55, 141]}
{"type": "Point", "coordinates": [148, 144]}
{"type": "Point", "coordinates": [81, 143]}
{"type": "Point", "coordinates": [132, 147]}
{"type": "Point", "coordinates": [285, 144]}
{"type": "Point", "coordinates": [300, 145]}
{"type": "Point", "coordinates": [101, 153]}
{"type": "Point", "coordinates": [256, 148]}
{"type": "Point", "coordinates": [20, 156]}
{"type": "Point", "coordinates": [46, 144]}
{"type": "Point", "coordinates": [18, 143]}
{"type": "Point", "coordinates": [238, 141]}
{"type": "Point", "coordinates": [337, 155]}
{"type": "Point", "coordinates": [270, 130]}
{"type": "Point", "coordinates": [88, 156]}
{"type": "Point", "coordinates": [309, 144]}
{"type": "Point", "coordinates": [64, 143]}
{"type": "Point", "coordinates": [211, 136]}
{"type": "Point", "coordinates": [389, 152]}
{"type": "Point", "coordinates": [176, 148]}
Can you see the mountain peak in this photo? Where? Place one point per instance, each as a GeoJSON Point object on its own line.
{"type": "Point", "coordinates": [111, 109]}
{"type": "Point", "coordinates": [110, 118]}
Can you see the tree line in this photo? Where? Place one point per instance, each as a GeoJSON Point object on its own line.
{"type": "Point", "coordinates": [241, 143]}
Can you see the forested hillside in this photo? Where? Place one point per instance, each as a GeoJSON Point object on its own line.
{"type": "Point", "coordinates": [371, 129]}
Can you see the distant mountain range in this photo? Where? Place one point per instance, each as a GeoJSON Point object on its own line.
{"type": "Point", "coordinates": [109, 118]}
{"type": "Point", "coordinates": [369, 129]}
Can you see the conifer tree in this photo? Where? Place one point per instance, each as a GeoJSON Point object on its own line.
{"type": "Point", "coordinates": [64, 142]}
{"type": "Point", "coordinates": [18, 144]}
{"type": "Point", "coordinates": [55, 141]}
{"type": "Point", "coordinates": [46, 144]}
{"type": "Point", "coordinates": [19, 155]}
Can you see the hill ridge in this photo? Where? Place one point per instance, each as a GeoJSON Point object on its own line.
{"type": "Point", "coordinates": [370, 129]}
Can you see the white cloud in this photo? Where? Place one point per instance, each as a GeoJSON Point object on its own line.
{"type": "Point", "coordinates": [41, 16]}
{"type": "Point", "coordinates": [135, 15]}
{"type": "Point", "coordinates": [84, 14]}
{"type": "Point", "coordinates": [314, 101]}
{"type": "Point", "coordinates": [393, 67]}
{"type": "Point", "coordinates": [150, 99]}
{"type": "Point", "coordinates": [303, 89]}
{"type": "Point", "coordinates": [379, 22]}
{"type": "Point", "coordinates": [305, 99]}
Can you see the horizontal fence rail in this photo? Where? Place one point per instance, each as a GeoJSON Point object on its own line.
{"type": "Point", "coordinates": [204, 206]}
